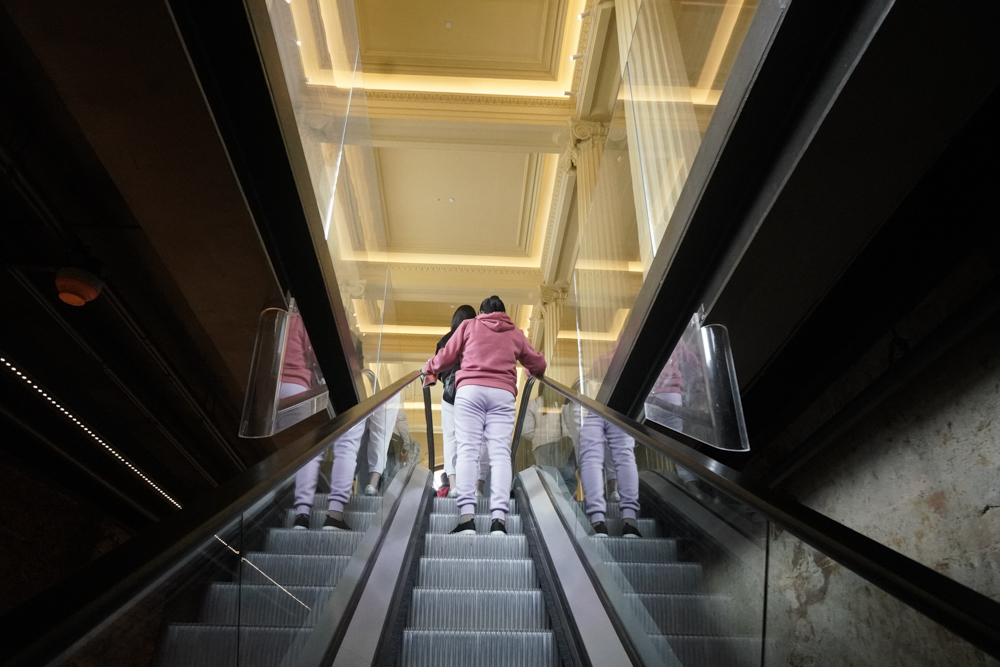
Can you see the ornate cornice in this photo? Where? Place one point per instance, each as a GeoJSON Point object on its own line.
{"type": "Point", "coordinates": [396, 267]}
{"type": "Point", "coordinates": [457, 98]}
{"type": "Point", "coordinates": [585, 27]}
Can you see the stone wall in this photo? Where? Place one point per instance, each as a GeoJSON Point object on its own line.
{"type": "Point", "coordinates": [920, 474]}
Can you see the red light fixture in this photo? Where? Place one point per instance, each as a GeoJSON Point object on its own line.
{"type": "Point", "coordinates": [77, 286]}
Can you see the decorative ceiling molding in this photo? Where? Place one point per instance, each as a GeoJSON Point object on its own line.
{"type": "Point", "coordinates": [529, 202]}
{"type": "Point", "coordinates": [384, 104]}
{"type": "Point", "coordinates": [395, 267]}
{"type": "Point", "coordinates": [459, 98]}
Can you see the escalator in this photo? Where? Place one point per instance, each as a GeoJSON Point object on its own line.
{"type": "Point", "coordinates": [231, 582]}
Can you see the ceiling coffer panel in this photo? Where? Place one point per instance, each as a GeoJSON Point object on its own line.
{"type": "Point", "coordinates": [506, 39]}
{"type": "Point", "coordinates": [459, 202]}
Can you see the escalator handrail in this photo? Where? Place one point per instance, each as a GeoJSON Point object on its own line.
{"type": "Point", "coordinates": [58, 619]}
{"type": "Point", "coordinates": [964, 611]}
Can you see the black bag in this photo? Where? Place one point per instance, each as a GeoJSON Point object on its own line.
{"type": "Point", "coordinates": [448, 380]}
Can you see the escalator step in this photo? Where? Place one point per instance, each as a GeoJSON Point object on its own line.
{"type": "Point", "coordinates": [359, 521]}
{"type": "Point", "coordinates": [478, 574]}
{"type": "Point", "coordinates": [630, 550]}
{"type": "Point", "coordinates": [211, 646]}
{"type": "Point", "coordinates": [685, 614]}
{"type": "Point", "coordinates": [312, 542]}
{"type": "Point", "coordinates": [648, 527]}
{"type": "Point", "coordinates": [293, 569]}
{"type": "Point", "coordinates": [444, 523]}
{"type": "Point", "coordinates": [450, 506]}
{"type": "Point", "coordinates": [355, 504]}
{"type": "Point", "coordinates": [476, 546]}
{"type": "Point", "coordinates": [450, 648]}
{"type": "Point", "coordinates": [250, 605]}
{"type": "Point", "coordinates": [658, 577]}
{"type": "Point", "coordinates": [613, 510]}
{"type": "Point", "coordinates": [711, 651]}
{"type": "Point", "coordinates": [441, 609]}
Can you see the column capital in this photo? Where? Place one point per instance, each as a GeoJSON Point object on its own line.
{"type": "Point", "coordinates": [584, 130]}
{"type": "Point", "coordinates": [552, 294]}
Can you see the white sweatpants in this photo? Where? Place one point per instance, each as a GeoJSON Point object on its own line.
{"type": "Point", "coordinates": [451, 444]}
{"type": "Point", "coordinates": [483, 413]}
{"type": "Point", "coordinates": [380, 425]}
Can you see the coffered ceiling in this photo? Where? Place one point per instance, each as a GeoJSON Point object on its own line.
{"type": "Point", "coordinates": [449, 187]}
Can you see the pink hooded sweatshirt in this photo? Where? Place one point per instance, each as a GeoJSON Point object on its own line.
{"type": "Point", "coordinates": [489, 347]}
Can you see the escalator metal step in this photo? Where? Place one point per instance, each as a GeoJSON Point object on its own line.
{"type": "Point", "coordinates": [355, 504]}
{"type": "Point", "coordinates": [444, 523]}
{"type": "Point", "coordinates": [358, 521]}
{"type": "Point", "coordinates": [672, 578]}
{"type": "Point", "coordinates": [293, 569]}
{"type": "Point", "coordinates": [478, 574]}
{"type": "Point", "coordinates": [648, 527]}
{"type": "Point", "coordinates": [270, 605]}
{"type": "Point", "coordinates": [450, 506]}
{"type": "Point", "coordinates": [476, 546]}
{"type": "Point", "coordinates": [212, 646]}
{"type": "Point", "coordinates": [712, 651]}
{"type": "Point", "coordinates": [312, 542]}
{"type": "Point", "coordinates": [613, 510]}
{"type": "Point", "coordinates": [456, 648]}
{"type": "Point", "coordinates": [631, 550]}
{"type": "Point", "coordinates": [685, 614]}
{"type": "Point", "coordinates": [442, 609]}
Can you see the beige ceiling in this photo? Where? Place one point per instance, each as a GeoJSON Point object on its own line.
{"type": "Point", "coordinates": [462, 38]}
{"type": "Point", "coordinates": [459, 202]}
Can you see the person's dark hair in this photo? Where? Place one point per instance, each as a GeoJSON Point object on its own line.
{"type": "Point", "coordinates": [462, 313]}
{"type": "Point", "coordinates": [444, 479]}
{"type": "Point", "coordinates": [492, 305]}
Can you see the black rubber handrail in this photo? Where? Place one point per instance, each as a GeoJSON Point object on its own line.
{"type": "Point", "coordinates": [65, 615]}
{"type": "Point", "coordinates": [968, 613]}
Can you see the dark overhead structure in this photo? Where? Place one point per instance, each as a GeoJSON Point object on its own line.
{"type": "Point", "coordinates": [841, 221]}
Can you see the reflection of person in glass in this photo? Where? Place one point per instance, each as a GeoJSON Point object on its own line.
{"type": "Point", "coordinates": [378, 435]}
{"type": "Point", "coordinates": [548, 425]}
{"type": "Point", "coordinates": [296, 377]}
{"type": "Point", "coordinates": [595, 435]}
{"type": "Point", "coordinates": [490, 347]}
{"type": "Point", "coordinates": [667, 391]}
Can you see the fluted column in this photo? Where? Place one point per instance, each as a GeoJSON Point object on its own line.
{"type": "Point", "coordinates": [587, 148]}
{"type": "Point", "coordinates": [552, 300]}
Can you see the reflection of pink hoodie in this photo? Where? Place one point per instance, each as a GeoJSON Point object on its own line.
{"type": "Point", "coordinates": [489, 347]}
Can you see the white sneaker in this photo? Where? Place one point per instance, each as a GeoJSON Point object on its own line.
{"type": "Point", "coordinates": [614, 497]}
{"type": "Point", "coordinates": [370, 491]}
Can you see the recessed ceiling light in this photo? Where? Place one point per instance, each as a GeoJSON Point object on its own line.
{"type": "Point", "coordinates": [298, 42]}
{"type": "Point", "coordinates": [576, 56]}
{"type": "Point", "coordinates": [446, 25]}
{"type": "Point", "coordinates": [451, 200]}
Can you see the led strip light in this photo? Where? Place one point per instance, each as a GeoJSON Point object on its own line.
{"type": "Point", "coordinates": [70, 416]}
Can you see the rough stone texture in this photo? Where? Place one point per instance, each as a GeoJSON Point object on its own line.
{"type": "Point", "coordinates": [920, 474]}
{"type": "Point", "coordinates": [820, 614]}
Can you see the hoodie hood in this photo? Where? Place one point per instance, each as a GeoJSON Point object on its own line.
{"type": "Point", "coordinates": [495, 321]}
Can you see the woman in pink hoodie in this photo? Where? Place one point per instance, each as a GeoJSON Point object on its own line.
{"type": "Point", "coordinates": [489, 348]}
